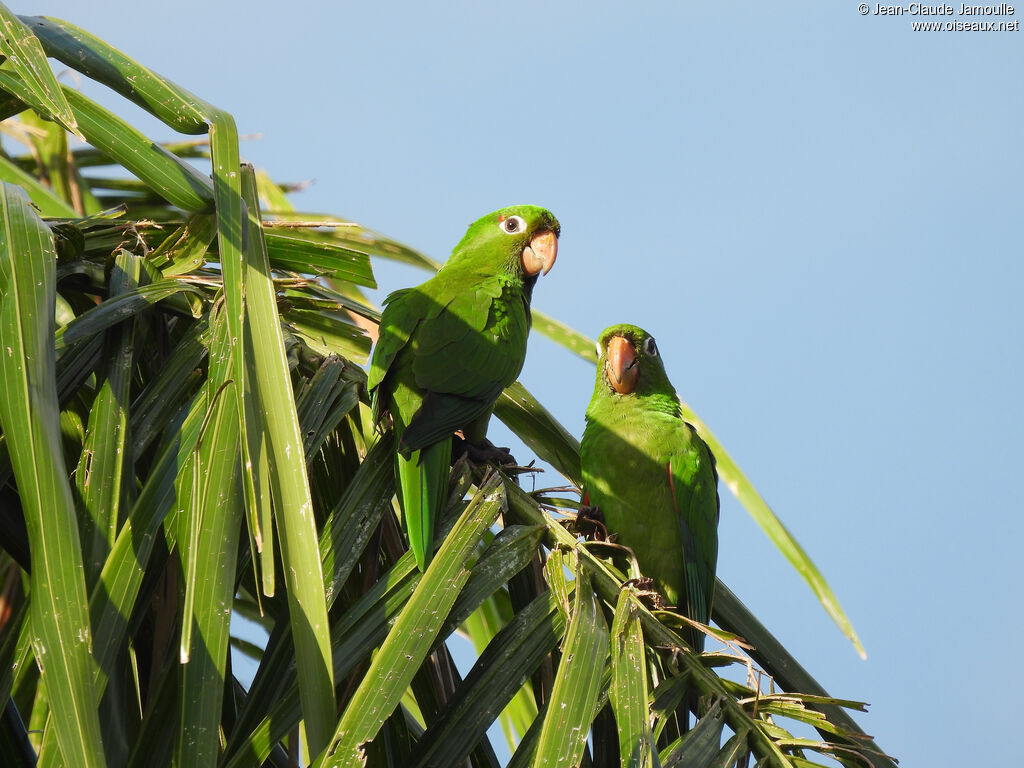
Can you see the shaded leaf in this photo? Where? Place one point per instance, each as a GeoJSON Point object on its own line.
{"type": "Point", "coordinates": [628, 694]}
{"type": "Point", "coordinates": [414, 632]}
{"type": "Point", "coordinates": [574, 698]}
{"type": "Point", "coordinates": [30, 417]}
{"type": "Point", "coordinates": [274, 422]}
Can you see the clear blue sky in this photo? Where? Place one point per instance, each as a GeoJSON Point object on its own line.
{"type": "Point", "coordinates": [818, 214]}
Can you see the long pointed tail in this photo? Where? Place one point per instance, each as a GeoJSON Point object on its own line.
{"type": "Point", "coordinates": [422, 490]}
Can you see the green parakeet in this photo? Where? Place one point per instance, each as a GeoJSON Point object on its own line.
{"type": "Point", "coordinates": [651, 475]}
{"type": "Point", "coordinates": [447, 349]}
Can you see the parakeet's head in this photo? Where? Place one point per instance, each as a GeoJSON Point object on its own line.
{"type": "Point", "coordinates": [521, 241]}
{"type": "Point", "coordinates": [629, 363]}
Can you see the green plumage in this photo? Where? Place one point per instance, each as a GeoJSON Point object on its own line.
{"type": "Point", "coordinates": [446, 350]}
{"type": "Point", "coordinates": [653, 478]}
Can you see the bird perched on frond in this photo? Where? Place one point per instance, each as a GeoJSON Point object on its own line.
{"type": "Point", "coordinates": [650, 473]}
{"type": "Point", "coordinates": [448, 347]}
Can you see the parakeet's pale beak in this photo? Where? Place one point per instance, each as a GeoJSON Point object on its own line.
{"type": "Point", "coordinates": [621, 369]}
{"type": "Point", "coordinates": [539, 255]}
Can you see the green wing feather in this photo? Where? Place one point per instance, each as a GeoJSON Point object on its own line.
{"type": "Point", "coordinates": [468, 352]}
{"type": "Point", "coordinates": [693, 481]}
{"type": "Point", "coordinates": [445, 353]}
{"type": "Point", "coordinates": [403, 311]}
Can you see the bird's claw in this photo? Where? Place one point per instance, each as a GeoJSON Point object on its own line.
{"type": "Point", "coordinates": [484, 452]}
{"type": "Point", "coordinates": [589, 523]}
{"type": "Point", "coordinates": [642, 583]}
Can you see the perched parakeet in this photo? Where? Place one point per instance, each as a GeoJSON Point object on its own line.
{"type": "Point", "coordinates": [650, 474]}
{"type": "Point", "coordinates": [447, 349]}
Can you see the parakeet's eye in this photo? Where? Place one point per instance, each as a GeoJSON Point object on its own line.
{"type": "Point", "coordinates": [650, 348]}
{"type": "Point", "coordinates": [512, 225]}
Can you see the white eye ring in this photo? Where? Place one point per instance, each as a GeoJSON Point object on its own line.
{"type": "Point", "coordinates": [512, 225]}
{"type": "Point", "coordinates": [650, 348]}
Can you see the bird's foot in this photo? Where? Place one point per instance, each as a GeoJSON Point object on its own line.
{"type": "Point", "coordinates": [483, 452]}
{"type": "Point", "coordinates": [589, 523]}
{"type": "Point", "coordinates": [643, 583]}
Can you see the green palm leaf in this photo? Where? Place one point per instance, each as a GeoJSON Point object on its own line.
{"type": "Point", "coordinates": [29, 415]}
{"type": "Point", "coordinates": [24, 52]}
